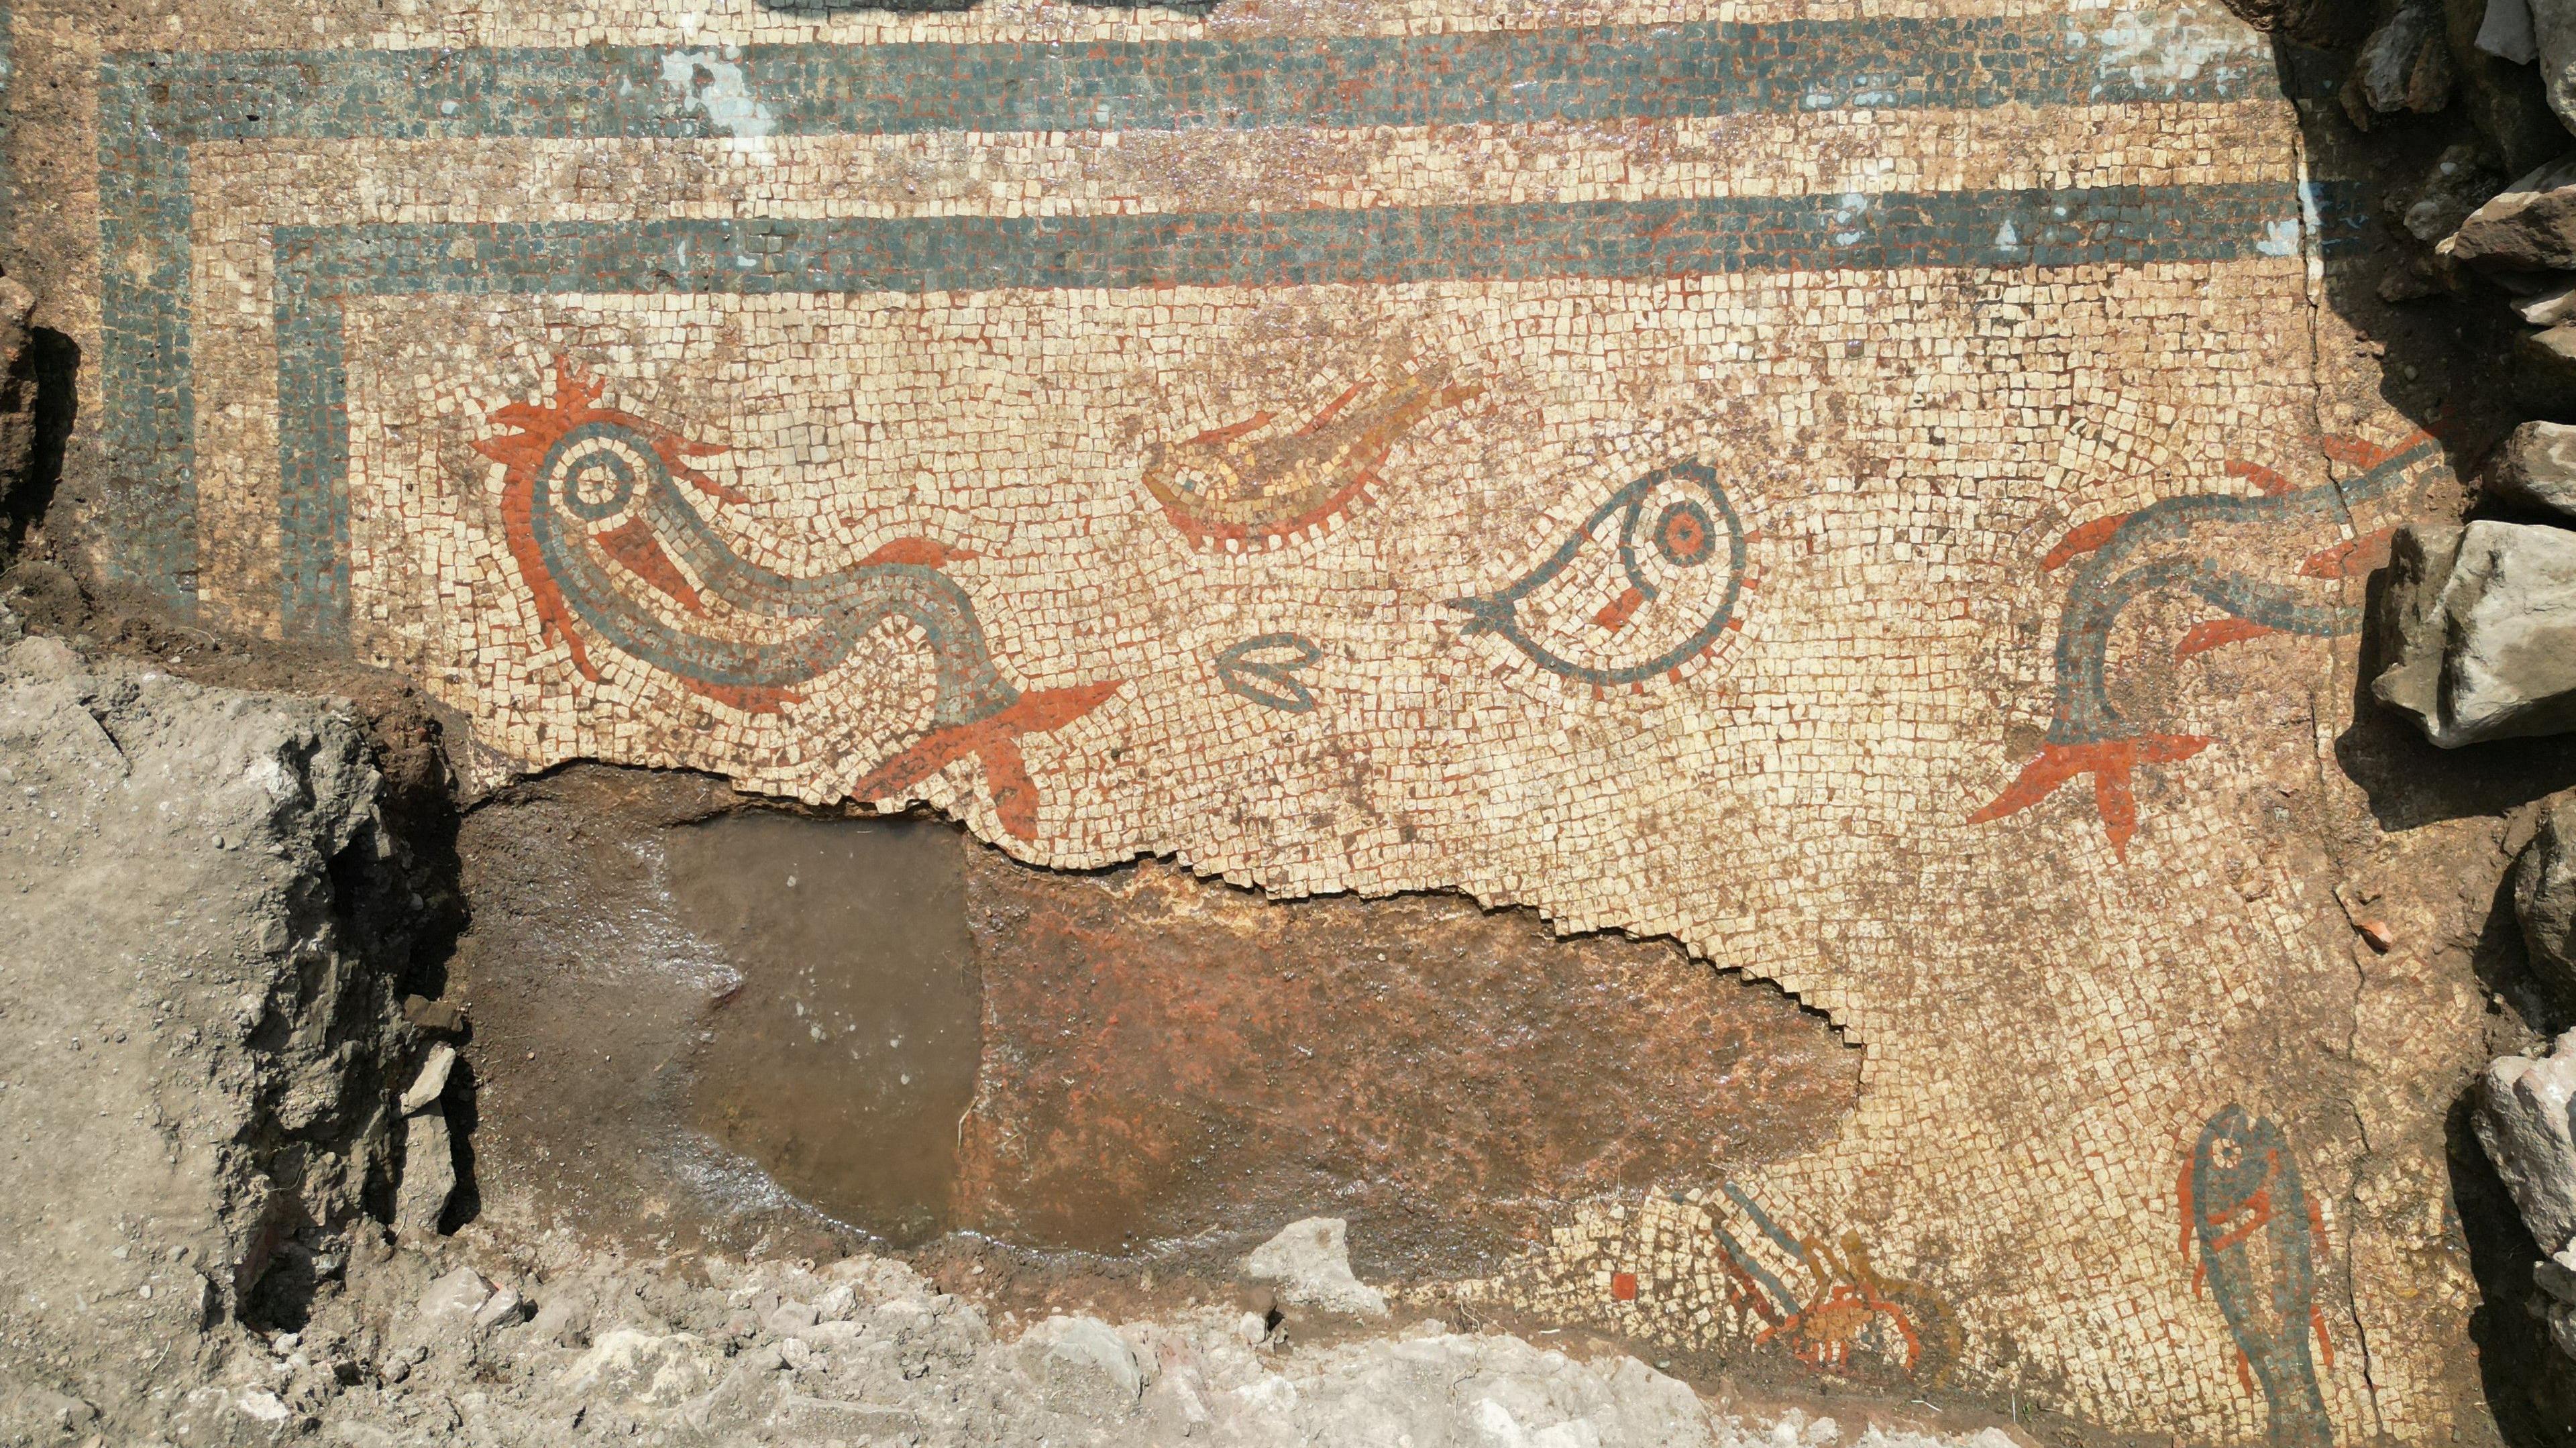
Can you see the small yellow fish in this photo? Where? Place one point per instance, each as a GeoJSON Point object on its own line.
{"type": "Point", "coordinates": [1228, 487]}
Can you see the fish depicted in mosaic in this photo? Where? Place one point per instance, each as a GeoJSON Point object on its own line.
{"type": "Point", "coordinates": [592, 506]}
{"type": "Point", "coordinates": [2243, 1203]}
{"type": "Point", "coordinates": [1241, 487]}
{"type": "Point", "coordinates": [1848, 1307]}
{"type": "Point", "coordinates": [2201, 545]}
{"type": "Point", "coordinates": [1649, 582]}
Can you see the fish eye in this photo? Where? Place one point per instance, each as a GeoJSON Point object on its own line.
{"type": "Point", "coordinates": [1685, 535]}
{"type": "Point", "coordinates": [594, 470]}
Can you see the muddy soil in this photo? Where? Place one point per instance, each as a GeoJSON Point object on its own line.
{"type": "Point", "coordinates": [700, 1022]}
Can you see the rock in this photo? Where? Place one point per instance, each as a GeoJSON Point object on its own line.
{"type": "Point", "coordinates": [2457, 185]}
{"type": "Point", "coordinates": [2535, 470]}
{"type": "Point", "coordinates": [2522, 1121]}
{"type": "Point", "coordinates": [503, 1307]}
{"type": "Point", "coordinates": [789, 1319]}
{"type": "Point", "coordinates": [2501, 98]}
{"type": "Point", "coordinates": [656, 1370]}
{"type": "Point", "coordinates": [460, 1294]}
{"type": "Point", "coordinates": [1311, 1263]}
{"type": "Point", "coordinates": [2528, 226]}
{"type": "Point", "coordinates": [2544, 899]}
{"type": "Point", "coordinates": [2478, 625]}
{"type": "Point", "coordinates": [2553, 35]}
{"type": "Point", "coordinates": [2544, 377]}
{"type": "Point", "coordinates": [1460, 1389]}
{"type": "Point", "coordinates": [2556, 1275]}
{"type": "Point", "coordinates": [442, 1018]}
{"type": "Point", "coordinates": [1082, 1365]}
{"type": "Point", "coordinates": [58, 1412]}
{"type": "Point", "coordinates": [2505, 32]}
{"type": "Point", "coordinates": [2405, 65]}
{"type": "Point", "coordinates": [2324, 24]}
{"type": "Point", "coordinates": [2547, 307]}
{"type": "Point", "coordinates": [431, 1083]}
{"type": "Point", "coordinates": [563, 1319]}
{"type": "Point", "coordinates": [429, 1174]}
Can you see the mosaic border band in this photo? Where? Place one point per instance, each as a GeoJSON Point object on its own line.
{"type": "Point", "coordinates": [154, 106]}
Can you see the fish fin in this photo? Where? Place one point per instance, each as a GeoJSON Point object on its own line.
{"type": "Point", "coordinates": [703, 483]}
{"type": "Point", "coordinates": [2216, 632]}
{"type": "Point", "coordinates": [1331, 410]}
{"type": "Point", "coordinates": [2109, 762]}
{"type": "Point", "coordinates": [1254, 423]}
{"type": "Point", "coordinates": [2245, 1372]}
{"type": "Point", "coordinates": [918, 552]}
{"type": "Point", "coordinates": [632, 543]}
{"type": "Point", "coordinates": [2355, 452]}
{"type": "Point", "coordinates": [2051, 767]}
{"type": "Point", "coordinates": [2083, 538]}
{"type": "Point", "coordinates": [1041, 711]}
{"type": "Point", "coordinates": [2115, 801]}
{"type": "Point", "coordinates": [1006, 779]}
{"type": "Point", "coordinates": [2325, 1344]}
{"type": "Point", "coordinates": [572, 389]}
{"type": "Point", "coordinates": [2317, 1227]}
{"type": "Point", "coordinates": [2269, 481]}
{"type": "Point", "coordinates": [749, 698]}
{"type": "Point", "coordinates": [993, 740]}
{"type": "Point", "coordinates": [2350, 558]}
{"type": "Point", "coordinates": [1614, 615]}
{"type": "Point", "coordinates": [919, 760]}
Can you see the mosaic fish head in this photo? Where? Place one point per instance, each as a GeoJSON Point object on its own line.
{"type": "Point", "coordinates": [1647, 583]}
{"type": "Point", "coordinates": [2236, 1159]}
{"type": "Point", "coordinates": [578, 472]}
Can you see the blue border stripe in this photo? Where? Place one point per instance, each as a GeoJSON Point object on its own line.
{"type": "Point", "coordinates": [154, 106]}
{"type": "Point", "coordinates": [316, 267]}
{"type": "Point", "coordinates": [1703, 68]}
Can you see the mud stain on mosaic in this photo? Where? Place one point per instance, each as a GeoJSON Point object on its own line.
{"type": "Point", "coordinates": [1599, 459]}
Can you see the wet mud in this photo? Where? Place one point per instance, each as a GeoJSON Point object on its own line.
{"type": "Point", "coordinates": [796, 1027]}
{"type": "Point", "coordinates": [846, 1055]}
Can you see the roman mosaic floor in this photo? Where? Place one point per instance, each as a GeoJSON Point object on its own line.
{"type": "Point", "coordinates": [1842, 484]}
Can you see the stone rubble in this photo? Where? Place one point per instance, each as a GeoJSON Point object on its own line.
{"type": "Point", "coordinates": [2522, 1120]}
{"type": "Point", "coordinates": [1311, 1263]}
{"type": "Point", "coordinates": [2478, 627]}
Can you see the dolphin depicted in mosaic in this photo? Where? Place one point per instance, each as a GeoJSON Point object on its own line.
{"type": "Point", "coordinates": [591, 505]}
{"type": "Point", "coordinates": [2196, 545]}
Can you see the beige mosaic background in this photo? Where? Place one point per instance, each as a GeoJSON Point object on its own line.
{"type": "Point", "coordinates": [2049, 1022]}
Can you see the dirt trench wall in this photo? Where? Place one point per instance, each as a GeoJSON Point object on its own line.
{"type": "Point", "coordinates": [204, 921]}
{"type": "Point", "coordinates": [1882, 501]}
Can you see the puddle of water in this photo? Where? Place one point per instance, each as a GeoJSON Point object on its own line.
{"type": "Point", "coordinates": [845, 1057]}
